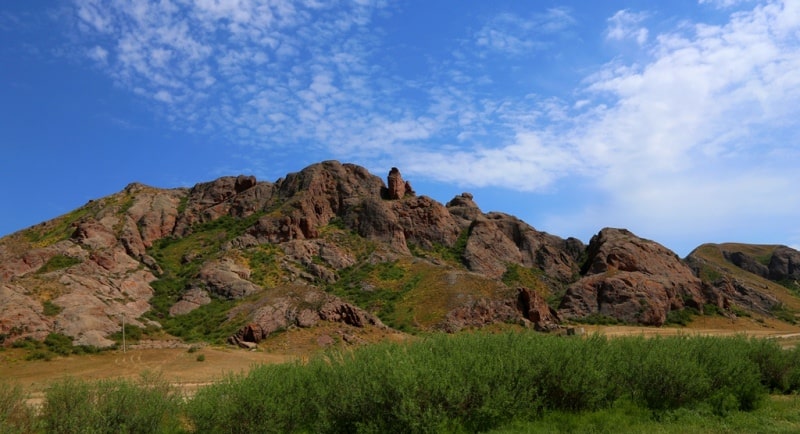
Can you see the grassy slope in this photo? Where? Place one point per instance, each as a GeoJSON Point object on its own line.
{"type": "Point", "coordinates": [717, 265]}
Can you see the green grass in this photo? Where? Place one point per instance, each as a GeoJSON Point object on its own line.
{"type": "Point", "coordinates": [149, 405]}
{"type": "Point", "coordinates": [264, 264]}
{"type": "Point", "coordinates": [681, 317]}
{"type": "Point", "coordinates": [377, 288]}
{"type": "Point", "coordinates": [531, 278]}
{"type": "Point", "coordinates": [778, 415]}
{"type": "Point", "coordinates": [50, 309]}
{"type": "Point", "coordinates": [55, 344]}
{"type": "Point", "coordinates": [58, 229]}
{"type": "Point", "coordinates": [58, 262]}
{"type": "Point", "coordinates": [207, 323]}
{"type": "Point", "coordinates": [454, 254]}
{"type": "Point", "coordinates": [16, 417]}
{"type": "Point", "coordinates": [181, 260]}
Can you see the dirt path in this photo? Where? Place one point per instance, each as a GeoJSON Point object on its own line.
{"type": "Point", "coordinates": [177, 366]}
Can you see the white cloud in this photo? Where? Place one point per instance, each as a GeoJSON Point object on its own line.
{"type": "Point", "coordinates": [705, 120]}
{"type": "Point", "coordinates": [512, 34]}
{"type": "Point", "coordinates": [163, 96]}
{"type": "Point", "coordinates": [98, 54]}
{"type": "Point", "coordinates": [626, 25]}
{"type": "Point", "coordinates": [724, 4]}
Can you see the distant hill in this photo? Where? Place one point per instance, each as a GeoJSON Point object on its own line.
{"type": "Point", "coordinates": [333, 247]}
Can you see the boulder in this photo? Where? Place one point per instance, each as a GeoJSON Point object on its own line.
{"type": "Point", "coordinates": [190, 300]}
{"type": "Point", "coordinates": [227, 278]}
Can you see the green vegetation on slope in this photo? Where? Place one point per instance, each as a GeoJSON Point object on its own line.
{"type": "Point", "coordinates": [58, 262]}
{"type": "Point", "coordinates": [180, 260]}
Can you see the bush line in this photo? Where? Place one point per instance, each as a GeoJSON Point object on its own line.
{"type": "Point", "coordinates": [464, 383]}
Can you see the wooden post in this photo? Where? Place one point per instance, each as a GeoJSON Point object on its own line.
{"type": "Point", "coordinates": [123, 332]}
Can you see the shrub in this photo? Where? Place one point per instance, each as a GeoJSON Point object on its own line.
{"type": "Point", "coordinates": [58, 262]}
{"type": "Point", "coordinates": [147, 406]}
{"type": "Point", "coordinates": [50, 309]}
{"type": "Point", "coordinates": [15, 415]}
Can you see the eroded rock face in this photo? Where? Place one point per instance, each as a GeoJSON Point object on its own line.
{"type": "Point", "coordinates": [527, 307]}
{"type": "Point", "coordinates": [305, 216]}
{"type": "Point", "coordinates": [497, 239]}
{"type": "Point", "coordinates": [303, 310]}
{"type": "Point", "coordinates": [464, 209]}
{"type": "Point", "coordinates": [727, 290]}
{"type": "Point", "coordinates": [228, 279]}
{"type": "Point", "coordinates": [784, 264]}
{"type": "Point", "coordinates": [21, 316]}
{"type": "Point", "coordinates": [631, 279]}
{"type": "Point", "coordinates": [190, 300]}
{"type": "Point", "coordinates": [747, 263]}
{"type": "Point", "coordinates": [397, 187]}
{"type": "Point", "coordinates": [535, 309]}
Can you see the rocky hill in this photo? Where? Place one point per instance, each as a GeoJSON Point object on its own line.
{"type": "Point", "coordinates": [241, 260]}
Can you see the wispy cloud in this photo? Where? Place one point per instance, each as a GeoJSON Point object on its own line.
{"type": "Point", "coordinates": [513, 34]}
{"type": "Point", "coordinates": [626, 25]}
{"type": "Point", "coordinates": [705, 118]}
{"type": "Point", "coordinates": [724, 4]}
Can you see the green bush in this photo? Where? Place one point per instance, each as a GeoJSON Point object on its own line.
{"type": "Point", "coordinates": [464, 383]}
{"type": "Point", "coordinates": [148, 406]}
{"type": "Point", "coordinates": [15, 415]}
{"type": "Point", "coordinates": [477, 382]}
{"type": "Point", "coordinates": [50, 309]}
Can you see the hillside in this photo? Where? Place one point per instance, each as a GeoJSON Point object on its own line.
{"type": "Point", "coordinates": [335, 249]}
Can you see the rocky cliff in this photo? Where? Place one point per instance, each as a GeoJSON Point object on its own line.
{"type": "Point", "coordinates": [241, 259]}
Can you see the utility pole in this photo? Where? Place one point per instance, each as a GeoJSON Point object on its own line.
{"type": "Point", "coordinates": [123, 332]}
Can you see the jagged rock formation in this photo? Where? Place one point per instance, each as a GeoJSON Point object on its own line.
{"type": "Point", "coordinates": [398, 188]}
{"type": "Point", "coordinates": [280, 313]}
{"type": "Point", "coordinates": [631, 279]}
{"type": "Point", "coordinates": [333, 243]}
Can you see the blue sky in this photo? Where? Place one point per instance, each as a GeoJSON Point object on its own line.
{"type": "Point", "coordinates": [677, 120]}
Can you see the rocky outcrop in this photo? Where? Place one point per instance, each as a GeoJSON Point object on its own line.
{"type": "Point", "coordinates": [302, 309]}
{"type": "Point", "coordinates": [747, 263]}
{"type": "Point", "coordinates": [631, 279]}
{"type": "Point", "coordinates": [303, 233]}
{"type": "Point", "coordinates": [190, 300]}
{"type": "Point", "coordinates": [239, 196]}
{"type": "Point", "coordinates": [497, 239]}
{"type": "Point", "coordinates": [527, 308]}
{"type": "Point", "coordinates": [227, 279]}
{"type": "Point", "coordinates": [312, 197]}
{"type": "Point", "coordinates": [535, 309]}
{"type": "Point", "coordinates": [21, 316]}
{"type": "Point", "coordinates": [728, 291]}
{"type": "Point", "coordinates": [464, 209]}
{"type": "Point", "coordinates": [784, 264]}
{"type": "Point", "coordinates": [397, 187]}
